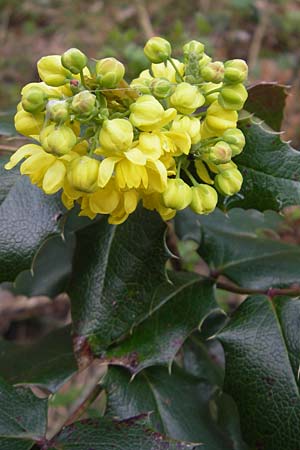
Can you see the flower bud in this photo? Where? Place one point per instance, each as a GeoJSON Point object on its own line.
{"type": "Point", "coordinates": [187, 124]}
{"type": "Point", "coordinates": [29, 124]}
{"type": "Point", "coordinates": [233, 97]}
{"type": "Point", "coordinates": [83, 103]}
{"type": "Point", "coordinates": [193, 47]}
{"type": "Point", "coordinates": [161, 88]}
{"type": "Point", "coordinates": [34, 100]}
{"type": "Point", "coordinates": [236, 71]}
{"type": "Point", "coordinates": [74, 60]}
{"type": "Point", "coordinates": [220, 153]}
{"type": "Point", "coordinates": [58, 111]}
{"type": "Point", "coordinates": [204, 199]}
{"type": "Point", "coordinates": [178, 194]}
{"type": "Point", "coordinates": [213, 72]}
{"type": "Point", "coordinates": [51, 70]}
{"type": "Point", "coordinates": [208, 91]}
{"type": "Point", "coordinates": [157, 50]}
{"type": "Point", "coordinates": [218, 120]}
{"type": "Point", "coordinates": [166, 70]}
{"type": "Point", "coordinates": [204, 61]}
{"type": "Point", "coordinates": [58, 140]}
{"type": "Point", "coordinates": [236, 139]}
{"type": "Point", "coordinates": [116, 135]}
{"type": "Point", "coordinates": [83, 174]}
{"type": "Point", "coordinates": [147, 114]}
{"type": "Point", "coordinates": [229, 182]}
{"type": "Point", "coordinates": [142, 85]}
{"type": "Point", "coordinates": [109, 72]}
{"type": "Point", "coordinates": [186, 98]}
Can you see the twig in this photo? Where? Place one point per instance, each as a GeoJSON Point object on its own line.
{"type": "Point", "coordinates": [293, 291]}
{"type": "Point", "coordinates": [264, 9]}
{"type": "Point", "coordinates": [144, 19]}
{"type": "Point", "coordinates": [8, 148]}
{"type": "Point", "coordinates": [82, 407]}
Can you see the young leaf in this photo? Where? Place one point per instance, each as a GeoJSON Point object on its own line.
{"type": "Point", "coordinates": [262, 351]}
{"type": "Point", "coordinates": [100, 434]}
{"type": "Point", "coordinates": [270, 168]}
{"type": "Point", "coordinates": [244, 246]}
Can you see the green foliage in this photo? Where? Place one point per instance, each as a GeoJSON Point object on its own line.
{"type": "Point", "coordinates": [180, 371]}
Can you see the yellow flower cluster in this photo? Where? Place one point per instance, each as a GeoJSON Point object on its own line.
{"type": "Point", "coordinates": [165, 139]}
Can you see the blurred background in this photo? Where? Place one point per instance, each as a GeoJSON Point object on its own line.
{"type": "Point", "coordinates": [265, 33]}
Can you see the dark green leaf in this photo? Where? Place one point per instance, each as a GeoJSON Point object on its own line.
{"type": "Point", "coordinates": [105, 434]}
{"type": "Point", "coordinates": [180, 404]}
{"type": "Point", "coordinates": [117, 272]}
{"type": "Point", "coordinates": [156, 340]}
{"type": "Point", "coordinates": [23, 417]}
{"type": "Point", "coordinates": [47, 363]}
{"type": "Point", "coordinates": [267, 101]}
{"type": "Point", "coordinates": [245, 246]}
{"type": "Point", "coordinates": [262, 352]}
{"type": "Point", "coordinates": [271, 171]}
{"type": "Point", "coordinates": [7, 178]}
{"type": "Point", "coordinates": [27, 218]}
{"type": "Point", "coordinates": [7, 127]}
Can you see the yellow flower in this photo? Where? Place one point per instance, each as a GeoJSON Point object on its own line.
{"type": "Point", "coordinates": [186, 98]}
{"type": "Point", "coordinates": [109, 72]}
{"type": "Point", "coordinates": [166, 70]}
{"type": "Point", "coordinates": [83, 174]}
{"type": "Point", "coordinates": [154, 201]}
{"type": "Point", "coordinates": [186, 124]}
{"type": "Point", "coordinates": [147, 114]}
{"type": "Point", "coordinates": [229, 182]}
{"type": "Point", "coordinates": [29, 124]}
{"type": "Point", "coordinates": [58, 140]}
{"type": "Point", "coordinates": [175, 142]}
{"type": "Point", "coordinates": [52, 72]}
{"type": "Point", "coordinates": [178, 194]}
{"type": "Point", "coordinates": [217, 121]}
{"type": "Point", "coordinates": [204, 199]}
{"type": "Point", "coordinates": [116, 135]}
{"type": "Point", "coordinates": [157, 49]}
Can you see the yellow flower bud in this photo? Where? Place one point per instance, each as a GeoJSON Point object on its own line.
{"type": "Point", "coordinates": [58, 111]}
{"type": "Point", "coordinates": [233, 97]}
{"type": "Point", "coordinates": [51, 70]}
{"type": "Point", "coordinates": [58, 140]}
{"type": "Point", "coordinates": [193, 47]}
{"type": "Point", "coordinates": [157, 50]}
{"type": "Point", "coordinates": [29, 124]}
{"type": "Point", "coordinates": [229, 182]}
{"type": "Point", "coordinates": [213, 72]}
{"type": "Point", "coordinates": [34, 100]}
{"type": "Point", "coordinates": [142, 84]}
{"type": "Point", "coordinates": [187, 124]}
{"type": "Point", "coordinates": [186, 98]}
{"type": "Point", "coordinates": [178, 194]}
{"type": "Point", "coordinates": [109, 72]}
{"type": "Point", "coordinates": [236, 71]}
{"type": "Point", "coordinates": [161, 87]}
{"type": "Point", "coordinates": [116, 135]}
{"type": "Point", "coordinates": [166, 70]}
{"type": "Point", "coordinates": [218, 120]}
{"type": "Point", "coordinates": [83, 174]}
{"type": "Point", "coordinates": [83, 103]}
{"type": "Point", "coordinates": [236, 139]}
{"type": "Point", "coordinates": [74, 60]}
{"type": "Point", "coordinates": [204, 199]}
{"type": "Point", "coordinates": [147, 114]}
{"type": "Point", "coordinates": [220, 153]}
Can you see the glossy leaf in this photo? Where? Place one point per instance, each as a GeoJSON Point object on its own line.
{"type": "Point", "coordinates": [244, 246]}
{"type": "Point", "coordinates": [271, 171]}
{"type": "Point", "coordinates": [7, 177]}
{"type": "Point", "coordinates": [262, 351]}
{"type": "Point", "coordinates": [267, 101]}
{"type": "Point", "coordinates": [47, 363]}
{"type": "Point", "coordinates": [157, 339]}
{"type": "Point", "coordinates": [117, 272]}
{"type": "Point", "coordinates": [23, 417]}
{"type": "Point", "coordinates": [100, 434]}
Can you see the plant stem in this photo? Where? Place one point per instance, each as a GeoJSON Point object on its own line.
{"type": "Point", "coordinates": [175, 68]}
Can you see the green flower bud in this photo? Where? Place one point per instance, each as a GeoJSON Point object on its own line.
{"type": "Point", "coordinates": [109, 72]}
{"type": "Point", "coordinates": [58, 111]}
{"type": "Point", "coordinates": [204, 199]}
{"type": "Point", "coordinates": [83, 174]}
{"type": "Point", "coordinates": [116, 135]}
{"type": "Point", "coordinates": [34, 100]}
{"type": "Point", "coordinates": [236, 139]}
{"type": "Point", "coordinates": [193, 47]}
{"type": "Point", "coordinates": [204, 61]}
{"type": "Point", "coordinates": [178, 194]}
{"type": "Point", "coordinates": [186, 98]}
{"type": "Point", "coordinates": [233, 97]}
{"type": "Point", "coordinates": [74, 60]}
{"type": "Point", "coordinates": [213, 72]}
{"type": "Point", "coordinates": [157, 50]}
{"type": "Point", "coordinates": [58, 140]}
{"type": "Point", "coordinates": [207, 88]}
{"type": "Point", "coordinates": [161, 88]}
{"type": "Point", "coordinates": [142, 85]}
{"type": "Point", "coordinates": [236, 71]}
{"type": "Point", "coordinates": [220, 153]}
{"type": "Point", "coordinates": [83, 103]}
{"type": "Point", "coordinates": [229, 182]}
